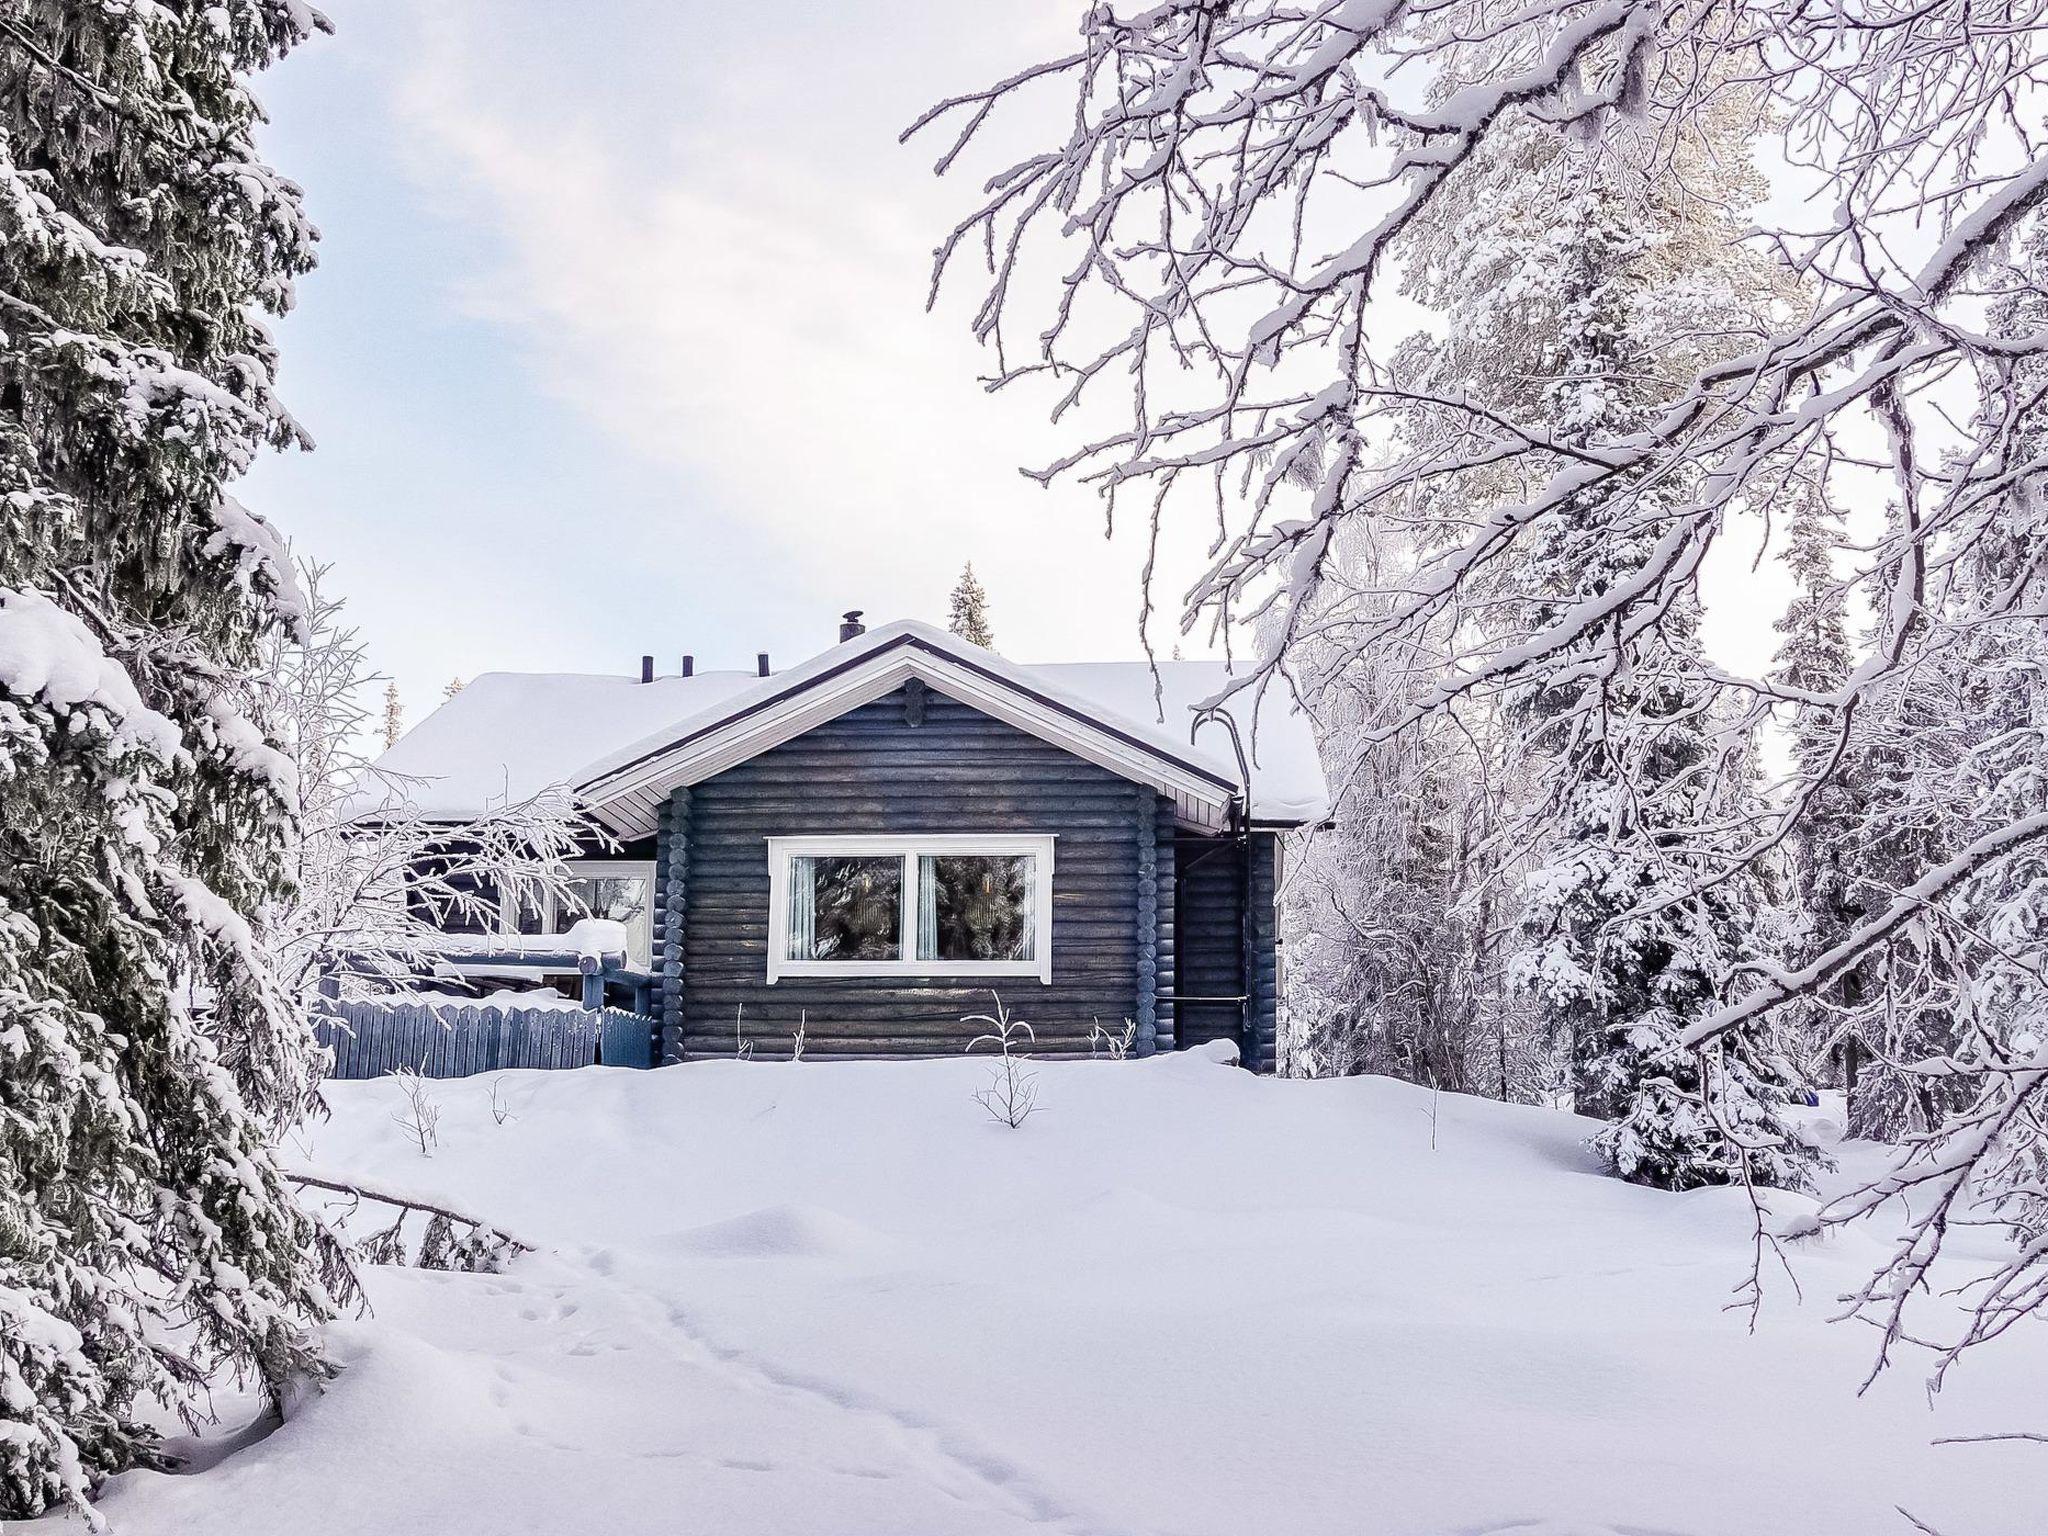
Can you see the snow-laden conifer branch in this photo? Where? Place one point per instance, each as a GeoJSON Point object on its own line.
{"type": "Point", "coordinates": [1780, 987]}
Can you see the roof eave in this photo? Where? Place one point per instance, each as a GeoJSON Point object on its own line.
{"type": "Point", "coordinates": [627, 795]}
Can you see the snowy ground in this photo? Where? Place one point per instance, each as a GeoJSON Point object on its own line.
{"type": "Point", "coordinates": [824, 1300]}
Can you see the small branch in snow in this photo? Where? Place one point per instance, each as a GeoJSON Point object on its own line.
{"type": "Point", "coordinates": [453, 1240]}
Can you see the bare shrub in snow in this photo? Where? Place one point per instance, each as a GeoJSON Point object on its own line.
{"type": "Point", "coordinates": [1116, 1044]}
{"type": "Point", "coordinates": [500, 1110]}
{"type": "Point", "coordinates": [1012, 1092]}
{"type": "Point", "coordinates": [420, 1115]}
{"type": "Point", "coordinates": [376, 884]}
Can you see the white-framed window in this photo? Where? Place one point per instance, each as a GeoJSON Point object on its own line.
{"type": "Point", "coordinates": [620, 890]}
{"type": "Point", "coordinates": [910, 906]}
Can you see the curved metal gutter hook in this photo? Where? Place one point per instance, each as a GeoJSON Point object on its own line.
{"type": "Point", "coordinates": [1221, 716]}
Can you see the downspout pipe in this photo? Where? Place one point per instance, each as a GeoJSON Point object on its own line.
{"type": "Point", "coordinates": [1239, 818]}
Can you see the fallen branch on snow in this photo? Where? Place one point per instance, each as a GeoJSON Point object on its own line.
{"type": "Point", "coordinates": [453, 1239]}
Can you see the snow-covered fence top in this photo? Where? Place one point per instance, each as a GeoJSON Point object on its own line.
{"type": "Point", "coordinates": [456, 1039]}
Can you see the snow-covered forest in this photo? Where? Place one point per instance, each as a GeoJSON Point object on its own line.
{"type": "Point", "coordinates": [1483, 353]}
{"type": "Point", "coordinates": [1770, 278]}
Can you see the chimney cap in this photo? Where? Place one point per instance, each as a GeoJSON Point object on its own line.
{"type": "Point", "coordinates": [851, 626]}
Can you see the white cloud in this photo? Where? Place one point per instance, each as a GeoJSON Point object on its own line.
{"type": "Point", "coordinates": [737, 286]}
{"type": "Point", "coordinates": [712, 247]}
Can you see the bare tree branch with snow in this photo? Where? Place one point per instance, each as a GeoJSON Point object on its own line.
{"type": "Point", "coordinates": [1198, 273]}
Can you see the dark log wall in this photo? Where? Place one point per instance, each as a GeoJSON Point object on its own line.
{"type": "Point", "coordinates": [872, 771]}
{"type": "Point", "coordinates": [1211, 959]}
{"type": "Point", "coordinates": [1262, 1051]}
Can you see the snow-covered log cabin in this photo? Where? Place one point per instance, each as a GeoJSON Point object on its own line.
{"type": "Point", "coordinates": [866, 846]}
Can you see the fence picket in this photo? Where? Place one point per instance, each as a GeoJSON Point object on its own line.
{"type": "Point", "coordinates": [460, 1040]}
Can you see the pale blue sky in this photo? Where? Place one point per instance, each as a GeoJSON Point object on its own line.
{"type": "Point", "coordinates": [617, 343]}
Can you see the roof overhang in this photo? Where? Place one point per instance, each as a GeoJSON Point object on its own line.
{"type": "Point", "coordinates": [627, 797]}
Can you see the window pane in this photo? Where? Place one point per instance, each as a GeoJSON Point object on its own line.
{"type": "Point", "coordinates": [847, 908]}
{"type": "Point", "coordinates": [976, 906]}
{"type": "Point", "coordinates": [618, 899]}
{"type": "Point", "coordinates": [529, 913]}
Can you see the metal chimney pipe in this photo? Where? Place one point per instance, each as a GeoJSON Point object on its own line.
{"type": "Point", "coordinates": [646, 669]}
{"type": "Point", "coordinates": [761, 662]}
{"type": "Point", "coordinates": [689, 666]}
{"type": "Point", "coordinates": [850, 626]}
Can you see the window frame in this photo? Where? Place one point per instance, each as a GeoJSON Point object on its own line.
{"type": "Point", "coordinates": [909, 848]}
{"type": "Point", "coordinates": [582, 869]}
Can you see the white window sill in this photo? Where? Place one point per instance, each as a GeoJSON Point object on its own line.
{"type": "Point", "coordinates": [900, 970]}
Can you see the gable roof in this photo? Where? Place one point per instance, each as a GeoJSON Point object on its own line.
{"type": "Point", "coordinates": [622, 746]}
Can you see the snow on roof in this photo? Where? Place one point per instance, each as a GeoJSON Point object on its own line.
{"type": "Point", "coordinates": [1279, 739]}
{"type": "Point", "coordinates": [506, 736]}
{"type": "Point", "coordinates": [509, 735]}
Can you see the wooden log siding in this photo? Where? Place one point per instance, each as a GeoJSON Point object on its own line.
{"type": "Point", "coordinates": [1216, 956]}
{"type": "Point", "coordinates": [872, 771]}
{"type": "Point", "coordinates": [1262, 1051]}
{"type": "Point", "coordinates": [1208, 962]}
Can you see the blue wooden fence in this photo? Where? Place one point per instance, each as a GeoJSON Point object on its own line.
{"type": "Point", "coordinates": [456, 1039]}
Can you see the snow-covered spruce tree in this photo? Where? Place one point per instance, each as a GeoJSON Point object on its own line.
{"type": "Point", "coordinates": [1382, 978]}
{"type": "Point", "coordinates": [1815, 658]}
{"type": "Point", "coordinates": [1393, 969]}
{"type": "Point", "coordinates": [1885, 789]}
{"type": "Point", "coordinates": [1559, 278]}
{"type": "Point", "coordinates": [1945, 756]}
{"type": "Point", "coordinates": [967, 610]}
{"type": "Point", "coordinates": [394, 715]}
{"type": "Point", "coordinates": [147, 1240]}
{"type": "Point", "coordinates": [1939, 756]}
{"type": "Point", "coordinates": [1912, 770]}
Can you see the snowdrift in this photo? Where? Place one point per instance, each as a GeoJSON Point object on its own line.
{"type": "Point", "coordinates": [819, 1300]}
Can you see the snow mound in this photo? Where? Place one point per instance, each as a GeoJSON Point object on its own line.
{"type": "Point", "coordinates": [789, 1231]}
{"type": "Point", "coordinates": [595, 937]}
